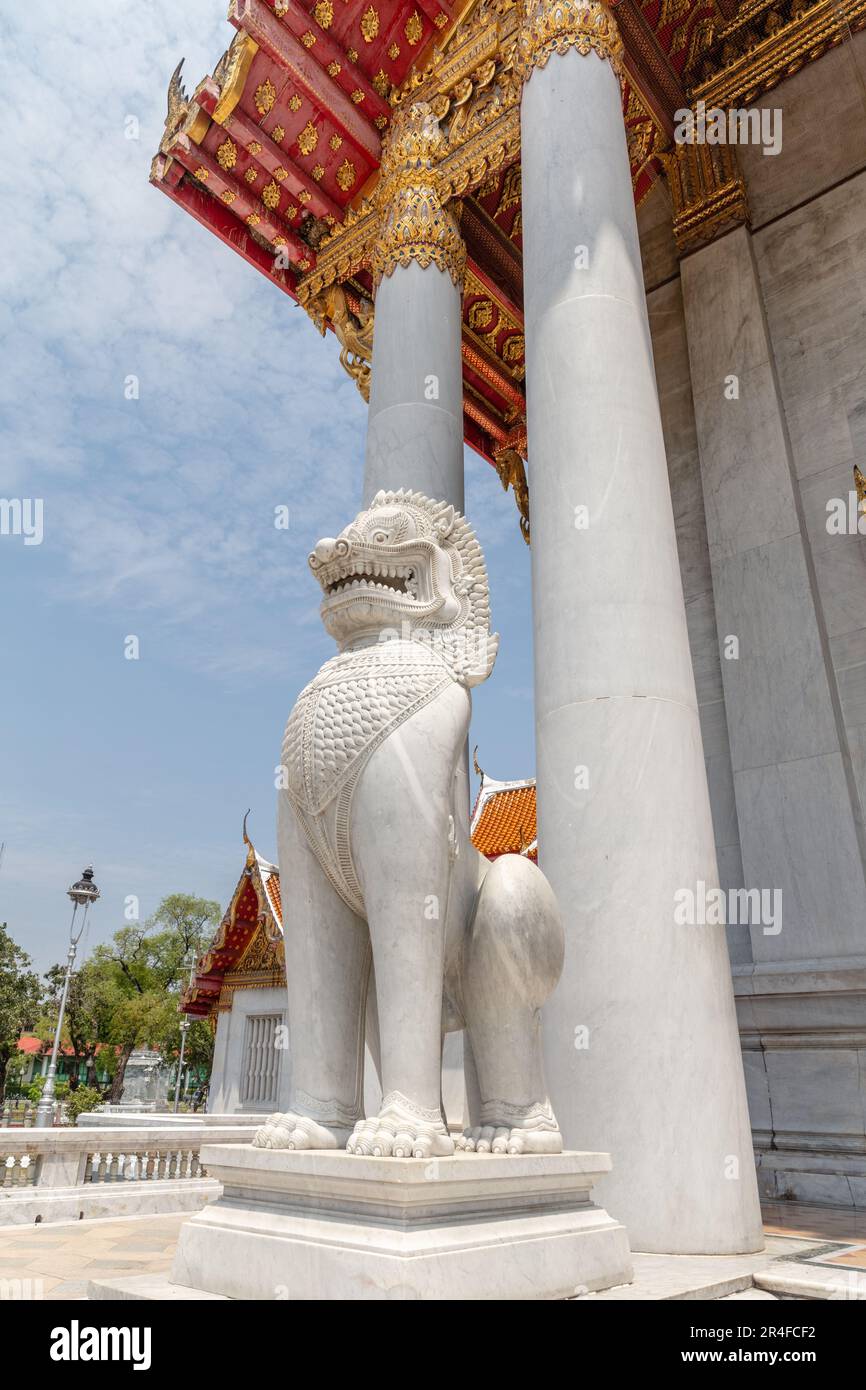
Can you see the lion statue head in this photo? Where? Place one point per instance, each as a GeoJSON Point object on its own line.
{"type": "Point", "coordinates": [411, 569]}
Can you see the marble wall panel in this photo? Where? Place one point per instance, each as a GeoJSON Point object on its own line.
{"type": "Point", "coordinates": [812, 269]}
{"type": "Point", "coordinates": [798, 836]}
{"type": "Point", "coordinates": [657, 246]}
{"type": "Point", "coordinates": [670, 352]}
{"type": "Point", "coordinates": [823, 133]}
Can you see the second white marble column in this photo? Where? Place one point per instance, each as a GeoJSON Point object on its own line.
{"type": "Point", "coordinates": [415, 424]}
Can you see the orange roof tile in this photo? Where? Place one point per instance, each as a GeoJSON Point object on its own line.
{"type": "Point", "coordinates": [504, 820]}
{"type": "Point", "coordinates": [272, 888]}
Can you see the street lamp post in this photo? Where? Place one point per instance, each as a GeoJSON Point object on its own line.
{"type": "Point", "coordinates": [184, 1029]}
{"type": "Point", "coordinates": [82, 893]}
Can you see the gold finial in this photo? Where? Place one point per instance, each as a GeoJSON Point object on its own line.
{"type": "Point", "coordinates": [251, 854]}
{"type": "Point", "coordinates": [860, 484]}
{"type": "Point", "coordinates": [478, 770]}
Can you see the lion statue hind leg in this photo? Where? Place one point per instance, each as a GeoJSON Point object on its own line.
{"type": "Point", "coordinates": [512, 960]}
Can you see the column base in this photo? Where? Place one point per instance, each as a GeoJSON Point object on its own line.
{"type": "Point", "coordinates": [332, 1226]}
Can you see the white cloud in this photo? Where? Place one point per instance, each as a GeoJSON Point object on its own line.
{"type": "Point", "coordinates": [164, 503]}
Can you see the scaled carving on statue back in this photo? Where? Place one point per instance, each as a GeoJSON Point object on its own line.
{"type": "Point", "coordinates": [382, 887]}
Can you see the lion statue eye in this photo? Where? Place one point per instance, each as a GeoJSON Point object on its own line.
{"type": "Point", "coordinates": [380, 537]}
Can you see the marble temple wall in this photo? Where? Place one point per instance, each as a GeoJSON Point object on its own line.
{"type": "Point", "coordinates": [782, 306]}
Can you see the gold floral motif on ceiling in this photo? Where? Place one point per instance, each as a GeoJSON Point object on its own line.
{"type": "Point", "coordinates": [369, 24]}
{"type": "Point", "coordinates": [227, 154]}
{"type": "Point", "coordinates": [308, 138]}
{"type": "Point", "coordinates": [266, 95]}
{"type": "Point", "coordinates": [345, 175]}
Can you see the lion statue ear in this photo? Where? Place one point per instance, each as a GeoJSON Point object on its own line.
{"type": "Point", "coordinates": [380, 499]}
{"type": "Point", "coordinates": [445, 521]}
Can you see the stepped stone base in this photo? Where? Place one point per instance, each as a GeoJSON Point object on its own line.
{"type": "Point", "coordinates": [333, 1226]}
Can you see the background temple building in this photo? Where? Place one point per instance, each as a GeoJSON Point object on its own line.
{"type": "Point", "coordinates": [755, 276]}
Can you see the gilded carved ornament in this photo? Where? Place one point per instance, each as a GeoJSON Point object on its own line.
{"type": "Point", "coordinates": [509, 466]}
{"type": "Point", "coordinates": [414, 224]}
{"type": "Point", "coordinates": [555, 26]}
{"type": "Point", "coordinates": [474, 94]}
{"type": "Point", "coordinates": [707, 191]}
{"type": "Point", "coordinates": [353, 327]}
{"type": "Point", "coordinates": [734, 62]}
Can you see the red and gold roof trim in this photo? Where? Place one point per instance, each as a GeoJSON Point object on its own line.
{"type": "Point", "coordinates": [279, 151]}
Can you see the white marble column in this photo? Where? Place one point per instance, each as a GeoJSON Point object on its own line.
{"type": "Point", "coordinates": [415, 424]}
{"type": "Point", "coordinates": [641, 1039]}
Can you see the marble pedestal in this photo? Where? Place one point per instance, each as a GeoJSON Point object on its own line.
{"type": "Point", "coordinates": [334, 1226]}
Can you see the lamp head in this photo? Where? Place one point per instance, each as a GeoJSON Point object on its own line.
{"type": "Point", "coordinates": [85, 890]}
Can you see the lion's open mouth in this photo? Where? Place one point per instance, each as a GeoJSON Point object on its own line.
{"type": "Point", "coordinates": [365, 576]}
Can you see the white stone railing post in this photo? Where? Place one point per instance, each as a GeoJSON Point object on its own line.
{"type": "Point", "coordinates": [73, 1167]}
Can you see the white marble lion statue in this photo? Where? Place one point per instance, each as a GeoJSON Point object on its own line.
{"type": "Point", "coordinates": [381, 884]}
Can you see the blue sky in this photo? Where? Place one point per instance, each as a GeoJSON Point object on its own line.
{"type": "Point", "coordinates": [158, 513]}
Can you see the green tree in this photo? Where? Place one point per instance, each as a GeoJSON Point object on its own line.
{"type": "Point", "coordinates": [19, 999]}
{"type": "Point", "coordinates": [149, 963]}
{"type": "Point", "coordinates": [92, 998]}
